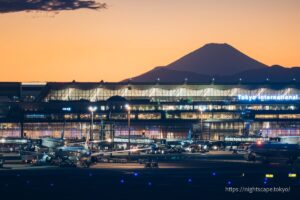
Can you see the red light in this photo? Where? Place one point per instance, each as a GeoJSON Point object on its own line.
{"type": "Point", "coordinates": [259, 142]}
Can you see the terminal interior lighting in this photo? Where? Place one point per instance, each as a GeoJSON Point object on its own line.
{"type": "Point", "coordinates": [109, 140]}
{"type": "Point", "coordinates": [259, 142]}
{"type": "Point", "coordinates": [201, 109]}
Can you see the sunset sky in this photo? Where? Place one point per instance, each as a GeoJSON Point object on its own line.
{"type": "Point", "coordinates": [131, 37]}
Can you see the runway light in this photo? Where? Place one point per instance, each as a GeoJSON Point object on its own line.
{"type": "Point", "coordinates": [135, 174]}
{"type": "Point", "coordinates": [269, 176]}
{"type": "Point", "coordinates": [122, 181]}
{"type": "Point", "coordinates": [292, 175]}
{"type": "Point", "coordinates": [149, 184]}
{"type": "Point", "coordinates": [214, 173]}
{"type": "Point", "coordinates": [90, 174]}
{"type": "Point", "coordinates": [189, 180]}
{"type": "Point", "coordinates": [51, 184]}
{"type": "Point", "coordinates": [228, 182]}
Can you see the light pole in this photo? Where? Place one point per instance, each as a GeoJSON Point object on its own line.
{"type": "Point", "coordinates": [92, 109]}
{"type": "Point", "coordinates": [128, 108]}
{"type": "Point", "coordinates": [201, 109]}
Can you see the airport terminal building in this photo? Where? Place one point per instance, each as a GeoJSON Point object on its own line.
{"type": "Point", "coordinates": [157, 110]}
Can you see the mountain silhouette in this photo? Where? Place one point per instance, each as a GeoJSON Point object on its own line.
{"type": "Point", "coordinates": [216, 59]}
{"type": "Point", "coordinates": [164, 74]}
{"type": "Point", "coordinates": [274, 73]}
{"type": "Point", "coordinates": [221, 63]}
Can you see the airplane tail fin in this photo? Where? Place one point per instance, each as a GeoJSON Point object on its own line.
{"type": "Point", "coordinates": [189, 137]}
{"type": "Point", "coordinates": [62, 134]}
{"type": "Point", "coordinates": [86, 145]}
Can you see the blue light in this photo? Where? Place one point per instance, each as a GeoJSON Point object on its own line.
{"type": "Point", "coordinates": [66, 108]}
{"type": "Point", "coordinates": [268, 97]}
{"type": "Point", "coordinates": [228, 182]}
{"type": "Point", "coordinates": [135, 174]}
{"type": "Point", "coordinates": [90, 174]}
{"type": "Point", "coordinates": [122, 181]}
{"type": "Point", "coordinates": [149, 184]}
{"type": "Point", "coordinates": [214, 174]}
{"type": "Point", "coordinates": [189, 180]}
{"type": "Point", "coordinates": [28, 182]}
{"type": "Point", "coordinates": [51, 184]}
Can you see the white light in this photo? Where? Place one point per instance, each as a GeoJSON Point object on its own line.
{"type": "Point", "coordinates": [2, 140]}
{"type": "Point", "coordinates": [109, 140]}
{"type": "Point", "coordinates": [34, 83]}
{"type": "Point", "coordinates": [201, 109]}
{"type": "Point", "coordinates": [92, 108]}
{"type": "Point", "coordinates": [127, 107]}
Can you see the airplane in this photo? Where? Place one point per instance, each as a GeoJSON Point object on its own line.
{"type": "Point", "coordinates": [53, 142]}
{"type": "Point", "coordinates": [11, 144]}
{"type": "Point", "coordinates": [58, 151]}
{"type": "Point", "coordinates": [273, 151]}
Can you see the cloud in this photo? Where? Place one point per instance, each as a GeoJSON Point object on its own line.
{"type": "Point", "coordinates": [9, 6]}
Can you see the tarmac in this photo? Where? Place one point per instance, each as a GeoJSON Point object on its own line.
{"type": "Point", "coordinates": [205, 176]}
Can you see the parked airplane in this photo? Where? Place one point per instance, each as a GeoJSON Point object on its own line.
{"type": "Point", "coordinates": [269, 151]}
{"type": "Point", "coordinates": [11, 144]}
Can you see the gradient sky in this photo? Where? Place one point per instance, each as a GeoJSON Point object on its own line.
{"type": "Point", "coordinates": [133, 36]}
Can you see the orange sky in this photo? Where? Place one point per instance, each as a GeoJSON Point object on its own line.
{"type": "Point", "coordinates": [133, 36]}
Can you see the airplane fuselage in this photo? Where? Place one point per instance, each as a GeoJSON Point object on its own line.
{"type": "Point", "coordinates": [274, 151]}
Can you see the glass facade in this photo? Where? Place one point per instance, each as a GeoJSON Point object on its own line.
{"type": "Point", "coordinates": [211, 111]}
{"type": "Point", "coordinates": [10, 130]}
{"type": "Point", "coordinates": [171, 93]}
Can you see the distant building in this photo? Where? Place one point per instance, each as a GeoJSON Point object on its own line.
{"type": "Point", "coordinates": [158, 110]}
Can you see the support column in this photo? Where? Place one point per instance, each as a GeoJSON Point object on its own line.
{"type": "Point", "coordinates": [22, 128]}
